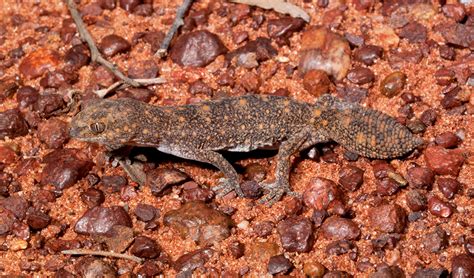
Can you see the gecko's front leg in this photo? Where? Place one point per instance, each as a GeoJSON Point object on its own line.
{"type": "Point", "coordinates": [227, 184]}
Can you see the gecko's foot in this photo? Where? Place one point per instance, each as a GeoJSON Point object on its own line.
{"type": "Point", "coordinates": [116, 160]}
{"type": "Point", "coordinates": [275, 191]}
{"type": "Point", "coordinates": [226, 186]}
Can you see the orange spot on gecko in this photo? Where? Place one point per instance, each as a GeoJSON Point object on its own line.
{"type": "Point", "coordinates": [317, 112]}
{"type": "Point", "coordinates": [360, 138]}
{"type": "Point", "coordinates": [242, 102]}
{"type": "Point", "coordinates": [206, 108]}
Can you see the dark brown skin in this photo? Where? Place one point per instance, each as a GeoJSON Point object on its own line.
{"type": "Point", "coordinates": [242, 124]}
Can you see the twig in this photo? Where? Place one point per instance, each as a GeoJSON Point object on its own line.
{"type": "Point", "coordinates": [178, 22]}
{"type": "Point", "coordinates": [101, 253]}
{"type": "Point", "coordinates": [280, 6]}
{"type": "Point", "coordinates": [121, 85]}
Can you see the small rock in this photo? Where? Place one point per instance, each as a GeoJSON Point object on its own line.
{"type": "Point", "coordinates": [443, 161]}
{"type": "Point", "coordinates": [49, 104]}
{"type": "Point", "coordinates": [118, 238]}
{"type": "Point", "coordinates": [201, 223]}
{"type": "Point", "coordinates": [12, 124]}
{"type": "Point", "coordinates": [447, 140]}
{"type": "Point", "coordinates": [145, 69]}
{"type": "Point", "coordinates": [436, 241]}
{"type": "Point", "coordinates": [414, 32]}
{"type": "Point", "coordinates": [430, 273]}
{"type": "Point", "coordinates": [393, 84]}
{"type": "Point", "coordinates": [113, 44]}
{"type": "Point", "coordinates": [199, 87]}
{"type": "Point", "coordinates": [93, 197]}
{"type": "Point", "coordinates": [281, 29]}
{"type": "Point", "coordinates": [316, 82]}
{"type": "Point", "coordinates": [53, 132]}
{"type": "Point", "coordinates": [193, 192]}
{"type": "Point", "coordinates": [339, 247]}
{"type": "Point", "coordinates": [459, 35]}
{"type": "Point", "coordinates": [462, 266]}
{"type": "Point", "coordinates": [322, 49]}
{"type": "Point", "coordinates": [39, 62]}
{"type": "Point", "coordinates": [16, 205]}
{"type": "Point", "coordinates": [96, 268]}
{"type": "Point", "coordinates": [455, 11]}
{"type": "Point", "coordinates": [444, 76]}
{"type": "Point", "coordinates": [322, 194]}
{"type": "Point", "coordinates": [263, 229]}
{"type": "Point", "coordinates": [388, 272]}
{"type": "Point", "coordinates": [77, 56]}
{"type": "Point", "coordinates": [63, 168]}
{"type": "Point", "coordinates": [197, 49]}
{"type": "Point", "coordinates": [99, 220]}
{"type": "Point", "coordinates": [159, 179]}
{"type": "Point", "coordinates": [279, 265]}
{"type": "Point", "coordinates": [261, 48]}
{"type": "Point", "coordinates": [337, 274]}
{"type": "Point", "coordinates": [447, 52]}
{"type": "Point", "coordinates": [113, 184]}
{"type": "Point", "coordinates": [448, 187]}
{"type": "Point", "coordinates": [360, 76]}
{"type": "Point", "coordinates": [428, 117]}
{"type": "Point", "coordinates": [145, 212]}
{"type": "Point", "coordinates": [296, 234]}
{"type": "Point", "coordinates": [368, 54]}
{"type": "Point", "coordinates": [26, 96]}
{"type": "Point", "coordinates": [416, 200]}
{"type": "Point", "coordinates": [149, 269]}
{"type": "Point", "coordinates": [37, 220]}
{"type": "Point", "coordinates": [351, 178]}
{"type": "Point", "coordinates": [237, 249]}
{"type": "Point", "coordinates": [420, 177]}
{"type": "Point", "coordinates": [188, 262]}
{"type": "Point", "coordinates": [145, 247]}
{"type": "Point", "coordinates": [388, 218]}
{"type": "Point", "coordinates": [338, 228]}
{"type": "Point", "coordinates": [439, 207]}
{"type": "Point", "coordinates": [251, 189]}
{"type": "Point", "coordinates": [314, 269]}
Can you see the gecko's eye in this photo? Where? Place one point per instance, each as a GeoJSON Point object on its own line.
{"type": "Point", "coordinates": [97, 128]}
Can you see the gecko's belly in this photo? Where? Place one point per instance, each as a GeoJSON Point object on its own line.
{"type": "Point", "coordinates": [251, 147]}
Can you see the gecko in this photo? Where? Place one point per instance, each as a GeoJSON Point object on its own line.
{"type": "Point", "coordinates": [202, 130]}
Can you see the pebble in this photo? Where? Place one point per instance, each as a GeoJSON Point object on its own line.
{"type": "Point", "coordinates": [7, 222]}
{"type": "Point", "coordinates": [99, 220]}
{"type": "Point", "coordinates": [39, 62]}
{"type": "Point", "coordinates": [159, 179]}
{"type": "Point", "coordinates": [351, 178]}
{"type": "Point", "coordinates": [393, 84]}
{"type": "Point", "coordinates": [321, 194]}
{"type": "Point", "coordinates": [443, 161]}
{"type": "Point", "coordinates": [388, 218]}
{"type": "Point", "coordinates": [188, 262]}
{"type": "Point", "coordinates": [197, 49]}
{"type": "Point", "coordinates": [93, 9]}
{"type": "Point", "coordinates": [368, 54]}
{"type": "Point", "coordinates": [316, 82]}
{"type": "Point", "coordinates": [92, 197]}
{"type": "Point", "coordinates": [446, 52]}
{"type": "Point", "coordinates": [469, 246]}
{"type": "Point", "coordinates": [361, 75]}
{"type": "Point", "coordinates": [37, 220]}
{"type": "Point", "coordinates": [261, 47]}
{"type": "Point", "coordinates": [146, 212]}
{"type": "Point", "coordinates": [444, 76]}
{"type": "Point", "coordinates": [26, 96]}
{"type": "Point", "coordinates": [420, 177]}
{"type": "Point", "coordinates": [145, 69]}
{"type": "Point", "coordinates": [447, 140]}
{"type": "Point", "coordinates": [414, 32]}
{"type": "Point", "coordinates": [279, 265]}
{"type": "Point", "coordinates": [143, 10]}
{"type": "Point", "coordinates": [388, 272]}
{"type": "Point", "coordinates": [339, 247]}
{"type": "Point", "coordinates": [416, 200]}
{"type": "Point", "coordinates": [455, 11]}
{"type": "Point", "coordinates": [436, 240]}
{"type": "Point", "coordinates": [263, 229]}
{"type": "Point", "coordinates": [314, 269]}
{"type": "Point", "coordinates": [457, 34]}
{"type": "Point", "coordinates": [64, 167]}
{"type": "Point", "coordinates": [49, 104]}
{"type": "Point", "coordinates": [145, 247]}
{"type": "Point", "coordinates": [12, 124]}
{"type": "Point", "coordinates": [7, 156]}
{"type": "Point", "coordinates": [325, 50]}
{"type": "Point", "coordinates": [199, 222]}
{"type": "Point", "coordinates": [439, 208]}
{"type": "Point", "coordinates": [91, 267]}
{"type": "Point", "coordinates": [386, 241]}
{"type": "Point", "coordinates": [15, 204]}
{"type": "Point", "coordinates": [352, 94]}
{"type": "Point", "coordinates": [59, 78]}
{"type": "Point", "coordinates": [448, 187]}
{"type": "Point", "coordinates": [102, 77]}
{"type": "Point", "coordinates": [53, 132]}
{"type": "Point", "coordinates": [237, 249]}
{"type": "Point", "coordinates": [255, 172]}
{"type": "Point", "coordinates": [107, 4]}
{"type": "Point", "coordinates": [199, 87]}
{"type": "Point", "coordinates": [430, 273]}
{"type": "Point", "coordinates": [282, 29]}
{"type": "Point", "coordinates": [399, 58]}
{"type": "Point", "coordinates": [462, 266]}
{"type": "Point", "coordinates": [337, 274]}
{"type": "Point", "coordinates": [129, 5]}
{"type": "Point", "coordinates": [338, 228]}
{"type": "Point", "coordinates": [113, 184]}
{"type": "Point", "coordinates": [296, 234]}
{"type": "Point", "coordinates": [149, 269]}
{"type": "Point", "coordinates": [118, 238]}
{"type": "Point", "coordinates": [193, 192]}
{"type": "Point", "coordinates": [113, 44]}
{"type": "Point", "coordinates": [238, 13]}
{"type": "Point", "coordinates": [428, 117]}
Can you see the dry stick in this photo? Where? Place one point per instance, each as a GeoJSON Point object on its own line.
{"type": "Point", "coordinates": [101, 253]}
{"type": "Point", "coordinates": [178, 22]}
{"type": "Point", "coordinates": [120, 85]}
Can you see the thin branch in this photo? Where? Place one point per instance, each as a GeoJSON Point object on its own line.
{"type": "Point", "coordinates": [102, 253]}
{"type": "Point", "coordinates": [280, 6]}
{"type": "Point", "coordinates": [178, 22]}
{"type": "Point", "coordinates": [121, 85]}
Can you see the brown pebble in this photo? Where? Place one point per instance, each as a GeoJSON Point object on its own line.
{"type": "Point", "coordinates": [113, 44]}
{"type": "Point", "coordinates": [92, 197]}
{"type": "Point", "coordinates": [53, 132]}
{"type": "Point", "coordinates": [49, 104]}
{"type": "Point", "coordinates": [159, 179]}
{"type": "Point", "coordinates": [279, 265]}
{"type": "Point", "coordinates": [360, 75]}
{"type": "Point", "coordinates": [430, 273]}
{"type": "Point", "coordinates": [325, 50]}
{"type": "Point", "coordinates": [197, 49]}
{"type": "Point", "coordinates": [457, 34]}
{"type": "Point", "coordinates": [59, 78]}
{"type": "Point", "coordinates": [199, 87]}
{"type": "Point", "coordinates": [143, 10]}
{"type": "Point", "coordinates": [190, 261]}
{"type": "Point", "coordinates": [145, 247]}
{"type": "Point", "coordinates": [282, 29]}
{"type": "Point", "coordinates": [314, 269]}
{"type": "Point", "coordinates": [351, 178]}
{"type": "Point", "coordinates": [420, 177]}
{"type": "Point", "coordinates": [444, 76]}
{"type": "Point", "coordinates": [12, 124]}
{"type": "Point", "coordinates": [447, 140]}
{"type": "Point", "coordinates": [436, 240]}
{"type": "Point", "coordinates": [368, 54]}
{"type": "Point", "coordinates": [393, 84]}
{"type": "Point", "coordinates": [388, 218]}
{"type": "Point", "coordinates": [447, 52]}
{"type": "Point", "coordinates": [263, 229]}
{"type": "Point", "coordinates": [428, 117]}
{"type": "Point", "coordinates": [237, 249]}
{"type": "Point", "coordinates": [414, 32]}
{"type": "Point", "coordinates": [439, 208]}
{"type": "Point", "coordinates": [37, 220]}
{"type": "Point", "coordinates": [322, 194]}
{"type": "Point", "coordinates": [107, 4]}
{"type": "Point", "coordinates": [448, 187]}
{"type": "Point", "coordinates": [26, 96]}
{"type": "Point", "coordinates": [443, 161]}
{"type": "Point", "coordinates": [193, 192]}
{"type": "Point", "coordinates": [387, 187]}
{"type": "Point", "coordinates": [99, 220]}
{"type": "Point", "coordinates": [338, 228]}
{"type": "Point", "coordinates": [261, 49]}
{"type": "Point", "coordinates": [462, 266]}
{"type": "Point", "coordinates": [316, 82]}
{"type": "Point", "coordinates": [416, 200]}
{"type": "Point", "coordinates": [296, 234]}
{"type": "Point", "coordinates": [129, 5]}
{"type": "Point", "coordinates": [39, 62]}
{"type": "Point", "coordinates": [91, 267]}
{"type": "Point", "coordinates": [455, 11]}
{"type": "Point", "coordinates": [149, 269]}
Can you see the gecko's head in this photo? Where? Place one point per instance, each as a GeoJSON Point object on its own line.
{"type": "Point", "coordinates": [109, 122]}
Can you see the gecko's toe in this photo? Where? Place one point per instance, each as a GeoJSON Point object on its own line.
{"type": "Point", "coordinates": [275, 192]}
{"type": "Point", "coordinates": [226, 186]}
